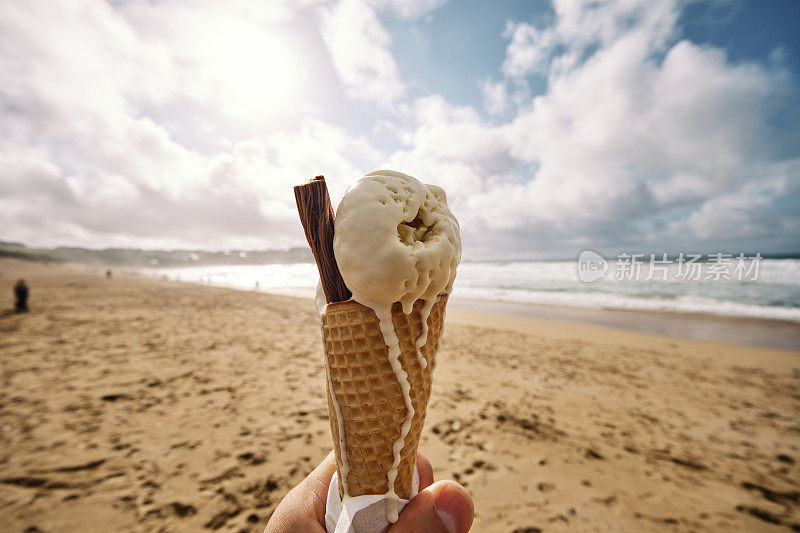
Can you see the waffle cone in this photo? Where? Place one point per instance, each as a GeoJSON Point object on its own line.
{"type": "Point", "coordinates": [369, 396]}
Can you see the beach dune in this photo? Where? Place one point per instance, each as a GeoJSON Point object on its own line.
{"type": "Point", "coordinates": [131, 404]}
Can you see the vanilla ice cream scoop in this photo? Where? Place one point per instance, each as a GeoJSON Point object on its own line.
{"type": "Point", "coordinates": [395, 240]}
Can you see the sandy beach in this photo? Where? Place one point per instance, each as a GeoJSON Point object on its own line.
{"type": "Point", "coordinates": [135, 404]}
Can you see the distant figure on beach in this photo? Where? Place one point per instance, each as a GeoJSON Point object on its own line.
{"type": "Point", "coordinates": [21, 292]}
{"type": "Point", "coordinates": [108, 274]}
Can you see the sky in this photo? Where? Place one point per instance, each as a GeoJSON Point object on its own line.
{"type": "Point", "coordinates": [554, 127]}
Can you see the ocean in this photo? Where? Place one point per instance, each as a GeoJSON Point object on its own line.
{"type": "Point", "coordinates": [765, 288]}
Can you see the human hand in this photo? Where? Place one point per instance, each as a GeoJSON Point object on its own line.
{"type": "Point", "coordinates": [443, 506]}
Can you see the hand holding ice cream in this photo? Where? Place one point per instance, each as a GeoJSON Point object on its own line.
{"type": "Point", "coordinates": [441, 507]}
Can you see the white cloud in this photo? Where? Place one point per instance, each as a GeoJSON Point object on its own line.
{"type": "Point", "coordinates": [623, 137]}
{"type": "Point", "coordinates": [359, 48]}
{"type": "Point", "coordinates": [495, 97]}
{"type": "Point", "coordinates": [529, 50]}
{"type": "Point", "coordinates": [413, 8]}
{"type": "Point", "coordinates": [581, 25]}
{"type": "Point", "coordinates": [749, 211]}
{"type": "Point", "coordinates": [238, 198]}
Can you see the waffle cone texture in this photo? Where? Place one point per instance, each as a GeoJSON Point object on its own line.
{"type": "Point", "coordinates": [368, 393]}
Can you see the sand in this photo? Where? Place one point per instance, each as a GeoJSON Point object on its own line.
{"type": "Point", "coordinates": [141, 405]}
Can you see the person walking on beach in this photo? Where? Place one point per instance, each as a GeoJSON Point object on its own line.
{"type": "Point", "coordinates": [21, 293]}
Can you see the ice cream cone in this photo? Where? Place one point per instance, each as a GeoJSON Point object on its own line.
{"type": "Point", "coordinates": [365, 398]}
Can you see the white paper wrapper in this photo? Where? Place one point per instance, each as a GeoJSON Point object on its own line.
{"type": "Point", "coordinates": [362, 514]}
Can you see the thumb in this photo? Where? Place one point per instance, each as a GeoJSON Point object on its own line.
{"type": "Point", "coordinates": [443, 507]}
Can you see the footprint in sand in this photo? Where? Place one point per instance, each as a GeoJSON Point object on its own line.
{"type": "Point", "coordinates": [545, 487]}
{"type": "Point", "coordinates": [224, 509]}
{"type": "Point", "coordinates": [252, 458]}
{"type": "Point", "coordinates": [477, 466]}
{"type": "Point", "coordinates": [177, 509]}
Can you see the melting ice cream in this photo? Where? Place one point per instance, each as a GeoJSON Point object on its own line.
{"type": "Point", "coordinates": [395, 240]}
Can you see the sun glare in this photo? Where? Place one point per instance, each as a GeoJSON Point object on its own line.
{"type": "Point", "coordinates": [256, 71]}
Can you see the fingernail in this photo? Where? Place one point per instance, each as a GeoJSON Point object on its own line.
{"type": "Point", "coordinates": [454, 508]}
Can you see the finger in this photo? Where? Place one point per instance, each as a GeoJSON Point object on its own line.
{"type": "Point", "coordinates": [317, 484]}
{"type": "Point", "coordinates": [303, 508]}
{"type": "Point", "coordinates": [425, 471]}
{"type": "Point", "coordinates": [444, 507]}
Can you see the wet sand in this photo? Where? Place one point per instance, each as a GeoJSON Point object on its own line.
{"type": "Point", "coordinates": [143, 405]}
{"type": "Point", "coordinates": [758, 332]}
